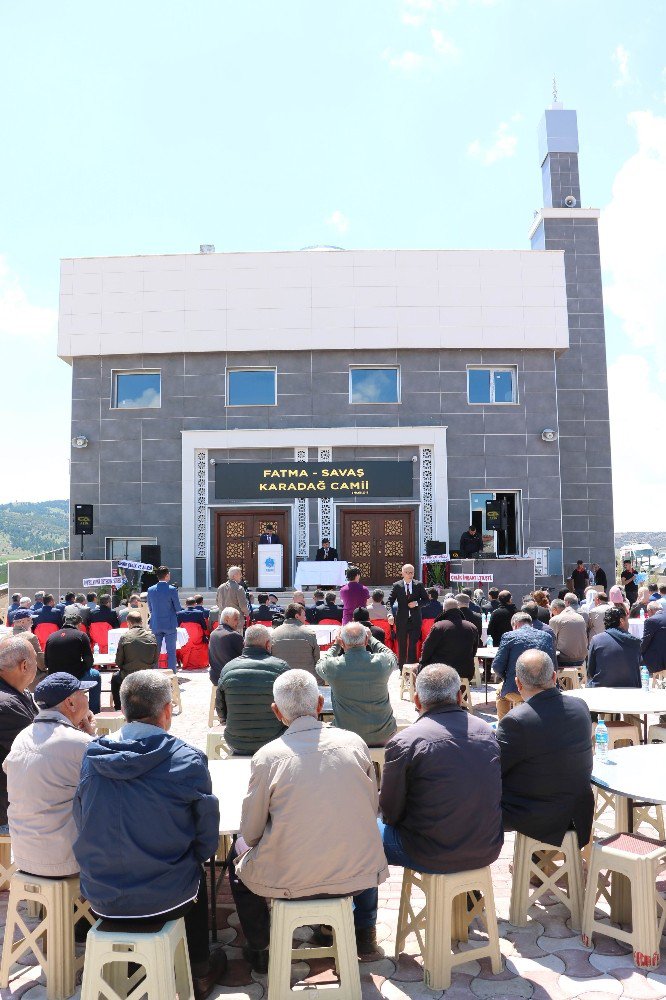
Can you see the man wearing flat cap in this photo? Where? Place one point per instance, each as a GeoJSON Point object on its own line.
{"type": "Point", "coordinates": [42, 769]}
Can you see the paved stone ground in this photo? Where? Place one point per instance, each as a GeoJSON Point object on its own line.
{"type": "Point", "coordinates": [544, 959]}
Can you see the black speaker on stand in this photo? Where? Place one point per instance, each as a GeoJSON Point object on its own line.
{"type": "Point", "coordinates": [83, 521]}
{"type": "Point", "coordinates": [434, 548]}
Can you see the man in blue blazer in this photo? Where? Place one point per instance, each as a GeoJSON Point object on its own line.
{"type": "Point", "coordinates": [164, 605]}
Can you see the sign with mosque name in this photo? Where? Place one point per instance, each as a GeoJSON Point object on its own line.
{"type": "Point", "coordinates": [270, 480]}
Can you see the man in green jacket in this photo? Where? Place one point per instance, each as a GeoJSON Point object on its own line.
{"type": "Point", "coordinates": [245, 694]}
{"type": "Point", "coordinates": [137, 650]}
{"type": "Point", "coordinates": [358, 667]}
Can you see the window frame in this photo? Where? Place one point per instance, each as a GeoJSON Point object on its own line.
{"type": "Point", "coordinates": [143, 539]}
{"type": "Point", "coordinates": [251, 368]}
{"type": "Point", "coordinates": [367, 368]}
{"type": "Point", "coordinates": [115, 372]}
{"type": "Point", "coordinates": [495, 368]}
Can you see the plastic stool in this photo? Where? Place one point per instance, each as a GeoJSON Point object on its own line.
{"type": "Point", "coordinates": [657, 734]}
{"type": "Point", "coordinates": [524, 867]}
{"type": "Point", "coordinates": [568, 678]}
{"type": "Point", "coordinates": [109, 722]}
{"type": "Point", "coordinates": [7, 868]}
{"type": "Point", "coordinates": [466, 696]}
{"type": "Point", "coordinates": [377, 755]}
{"type": "Point", "coordinates": [620, 733]}
{"type": "Point", "coordinates": [212, 716]}
{"type": "Point", "coordinates": [165, 964]}
{"type": "Point", "coordinates": [445, 919]}
{"type": "Point", "coordinates": [62, 907]}
{"type": "Point", "coordinates": [638, 858]}
{"type": "Point", "coordinates": [285, 918]}
{"type": "Point", "coordinates": [175, 694]}
{"type": "Point", "coordinates": [408, 680]}
{"type": "Point", "coordinates": [216, 747]}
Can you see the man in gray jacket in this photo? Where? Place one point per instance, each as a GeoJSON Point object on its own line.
{"type": "Point", "coordinates": [232, 595]}
{"type": "Point", "coordinates": [294, 642]}
{"type": "Point", "coordinates": [42, 769]}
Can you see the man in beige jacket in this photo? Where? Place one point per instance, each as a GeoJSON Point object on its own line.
{"type": "Point", "coordinates": [232, 595]}
{"type": "Point", "coordinates": [309, 822]}
{"type": "Point", "coordinates": [294, 642]}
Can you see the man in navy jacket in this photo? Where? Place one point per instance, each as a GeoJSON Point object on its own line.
{"type": "Point", "coordinates": [613, 659]}
{"type": "Point", "coordinates": [147, 820]}
{"type": "Point", "coordinates": [164, 605]}
{"type": "Point", "coordinates": [522, 637]}
{"type": "Point", "coordinates": [653, 644]}
{"type": "Point", "coordinates": [49, 614]}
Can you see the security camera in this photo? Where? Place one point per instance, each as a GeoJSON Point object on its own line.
{"type": "Point", "coordinates": [80, 441]}
{"type": "Point", "coordinates": [548, 434]}
{"type": "Point", "coordinates": [212, 461]}
{"type": "Point", "coordinates": [570, 201]}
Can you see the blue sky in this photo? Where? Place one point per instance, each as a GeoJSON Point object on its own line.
{"type": "Point", "coordinates": [155, 126]}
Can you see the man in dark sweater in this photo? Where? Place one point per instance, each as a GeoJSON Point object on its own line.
{"type": "Point", "coordinates": [225, 643]}
{"type": "Point", "coordinates": [69, 650]}
{"type": "Point", "coordinates": [546, 757]}
{"type": "Point", "coordinates": [245, 694]}
{"type": "Point", "coordinates": [18, 667]}
{"type": "Point", "coordinates": [613, 658]}
{"type": "Point", "coordinates": [471, 543]}
{"type": "Point", "coordinates": [428, 824]}
{"type": "Point", "coordinates": [500, 619]}
{"type": "Point", "coordinates": [451, 640]}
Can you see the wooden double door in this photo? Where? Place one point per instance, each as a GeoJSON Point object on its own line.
{"type": "Point", "coordinates": [379, 542]}
{"type": "Point", "coordinates": [237, 537]}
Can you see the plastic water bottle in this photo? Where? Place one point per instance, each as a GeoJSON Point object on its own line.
{"type": "Point", "coordinates": [489, 642]}
{"type": "Point", "coordinates": [96, 649]}
{"type": "Point", "coordinates": [645, 678]}
{"type": "Point", "coordinates": [601, 741]}
{"type": "Point", "coordinates": [641, 614]}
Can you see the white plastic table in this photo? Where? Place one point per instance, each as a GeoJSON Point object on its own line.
{"type": "Point", "coordinates": [622, 701]}
{"type": "Point", "coordinates": [325, 633]}
{"type": "Point", "coordinates": [230, 779]}
{"type": "Point", "coordinates": [328, 574]}
{"type": "Point", "coordinates": [114, 634]}
{"type": "Point", "coordinates": [637, 627]}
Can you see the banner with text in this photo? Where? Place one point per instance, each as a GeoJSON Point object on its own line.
{"type": "Point", "coordinates": [471, 577]}
{"type": "Point", "coordinates": [105, 581]}
{"type": "Point", "coordinates": [257, 480]}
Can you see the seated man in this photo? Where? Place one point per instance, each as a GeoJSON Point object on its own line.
{"type": "Point", "coordinates": [191, 613]}
{"type": "Point", "coordinates": [376, 606]}
{"type": "Point", "coordinates": [500, 617]}
{"type": "Point", "coordinates": [546, 757]}
{"type": "Point", "coordinates": [225, 643]}
{"type": "Point", "coordinates": [147, 820]}
{"type": "Point", "coordinates": [309, 820]}
{"type": "Point", "coordinates": [244, 694]}
{"type": "Point", "coordinates": [263, 613]}
{"type": "Point", "coordinates": [194, 654]}
{"type": "Point", "coordinates": [330, 611]}
{"type": "Point", "coordinates": [313, 611]}
{"type": "Point", "coordinates": [294, 642]}
{"type": "Point", "coordinates": [614, 656]}
{"type": "Point", "coordinates": [653, 643]}
{"type": "Point", "coordinates": [595, 617]}
{"type": "Point", "coordinates": [199, 606]}
{"type": "Point", "coordinates": [532, 609]}
{"type": "Point", "coordinates": [523, 636]}
{"type": "Point", "coordinates": [476, 618]}
{"type": "Point", "coordinates": [358, 677]}
{"type": "Point", "coordinates": [137, 650]}
{"type": "Point", "coordinates": [69, 650]}
{"type": "Point", "coordinates": [42, 769]}
{"type": "Point", "coordinates": [49, 614]}
{"type": "Point", "coordinates": [441, 784]}
{"type": "Point", "coordinates": [104, 613]}
{"type": "Point", "coordinates": [433, 608]}
{"type": "Point", "coordinates": [452, 640]}
{"type": "Point", "coordinates": [22, 626]}
{"type": "Point", "coordinates": [133, 604]}
{"type": "Point", "coordinates": [570, 630]}
{"type": "Point", "coordinates": [18, 668]}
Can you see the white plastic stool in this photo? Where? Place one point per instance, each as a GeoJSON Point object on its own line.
{"type": "Point", "coordinates": [7, 868]}
{"type": "Point", "coordinates": [524, 867]}
{"type": "Point", "coordinates": [212, 717]}
{"type": "Point", "coordinates": [165, 965]}
{"type": "Point", "coordinates": [216, 747]}
{"type": "Point", "coordinates": [175, 694]}
{"type": "Point", "coordinates": [408, 680]}
{"type": "Point", "coordinates": [466, 696]}
{"type": "Point", "coordinates": [285, 918]}
{"type": "Point", "coordinates": [109, 722]}
{"type": "Point", "coordinates": [62, 907]}
{"type": "Point", "coordinates": [445, 919]}
{"type": "Point", "coordinates": [377, 755]}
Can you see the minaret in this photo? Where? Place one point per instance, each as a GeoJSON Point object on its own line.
{"type": "Point", "coordinates": [582, 387]}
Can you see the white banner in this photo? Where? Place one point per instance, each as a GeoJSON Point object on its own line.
{"type": "Point", "coordinates": [471, 577]}
{"type": "Point", "coordinates": [428, 560]}
{"type": "Point", "coordinates": [105, 581]}
{"type": "Point", "coordinates": [128, 564]}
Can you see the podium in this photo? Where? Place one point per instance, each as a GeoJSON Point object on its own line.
{"type": "Point", "coordinates": [269, 571]}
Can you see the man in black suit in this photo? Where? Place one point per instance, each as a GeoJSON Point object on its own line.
{"type": "Point", "coordinates": [653, 643]}
{"type": "Point", "coordinates": [451, 640]}
{"type": "Point", "coordinates": [326, 553]}
{"type": "Point", "coordinates": [262, 614]}
{"type": "Point", "coordinates": [469, 615]}
{"type": "Point", "coordinates": [270, 536]}
{"type": "Point", "coordinates": [409, 595]}
{"type": "Point", "coordinates": [546, 756]}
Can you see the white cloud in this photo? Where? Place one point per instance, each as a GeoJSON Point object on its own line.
{"type": "Point", "coordinates": [338, 221]}
{"type": "Point", "coordinates": [503, 146]}
{"type": "Point", "coordinates": [407, 61]}
{"type": "Point", "coordinates": [621, 58]}
{"type": "Point", "coordinates": [442, 45]}
{"type": "Point", "coordinates": [21, 319]}
{"type": "Point", "coordinates": [633, 255]}
{"type": "Point", "coordinates": [413, 19]}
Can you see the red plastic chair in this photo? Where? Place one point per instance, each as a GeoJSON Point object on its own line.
{"type": "Point", "coordinates": [43, 631]}
{"type": "Point", "coordinates": [426, 626]}
{"type": "Point", "coordinates": [194, 654]}
{"type": "Point", "coordinates": [124, 624]}
{"type": "Point", "coordinates": [330, 621]}
{"type": "Point", "coordinates": [386, 628]}
{"type": "Point", "coordinates": [99, 633]}
{"type": "Point", "coordinates": [81, 627]}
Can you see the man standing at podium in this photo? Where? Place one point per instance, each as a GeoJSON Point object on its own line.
{"type": "Point", "coordinates": [326, 553]}
{"type": "Point", "coordinates": [269, 536]}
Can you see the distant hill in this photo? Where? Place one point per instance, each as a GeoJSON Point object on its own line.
{"type": "Point", "coordinates": [657, 539]}
{"type": "Point", "coordinates": [28, 528]}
